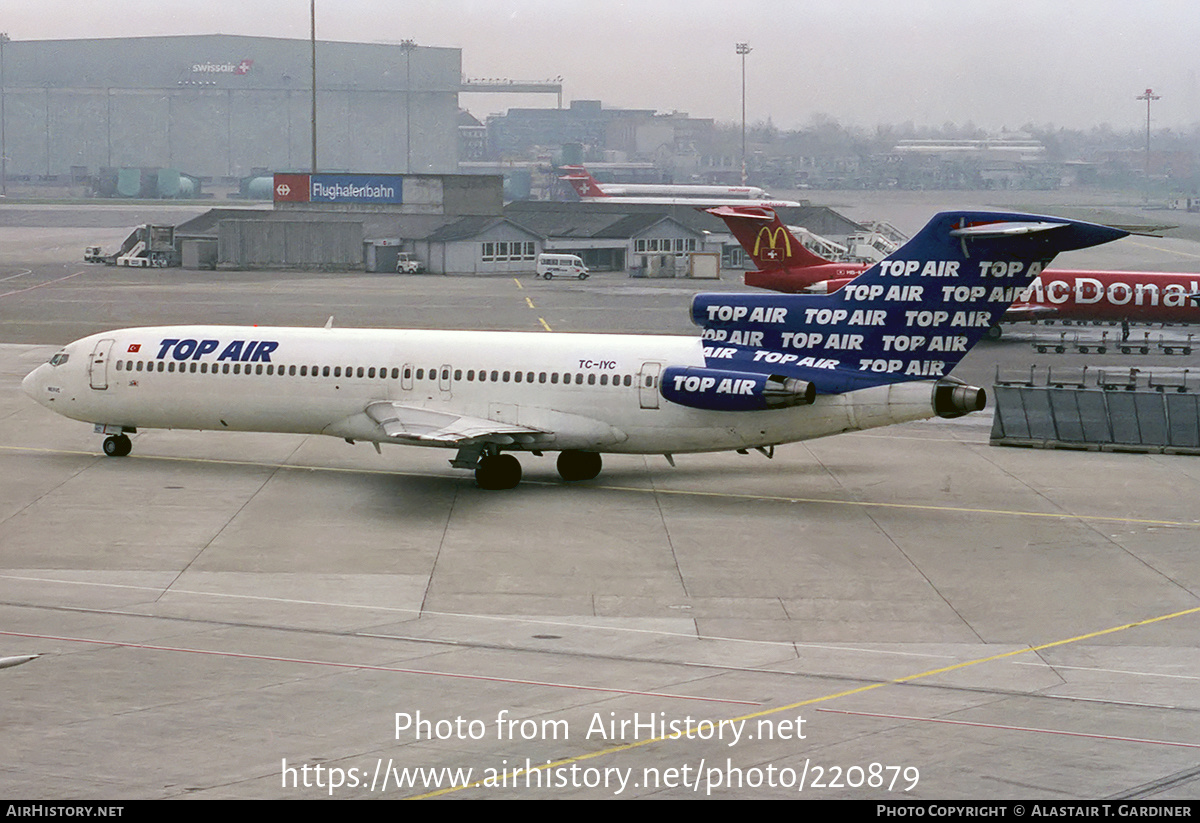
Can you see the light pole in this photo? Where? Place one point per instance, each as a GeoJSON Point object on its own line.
{"type": "Point", "coordinates": [743, 49]}
{"type": "Point", "coordinates": [312, 10]}
{"type": "Point", "coordinates": [1149, 96]}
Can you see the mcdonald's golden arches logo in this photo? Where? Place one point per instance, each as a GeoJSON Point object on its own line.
{"type": "Point", "coordinates": [776, 237]}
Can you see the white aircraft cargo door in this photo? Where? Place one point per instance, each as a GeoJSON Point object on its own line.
{"type": "Point", "coordinates": [98, 368]}
{"type": "Point", "coordinates": [648, 385]}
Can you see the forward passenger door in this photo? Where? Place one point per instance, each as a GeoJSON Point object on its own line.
{"type": "Point", "coordinates": [98, 366]}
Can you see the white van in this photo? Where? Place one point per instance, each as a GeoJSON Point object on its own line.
{"type": "Point", "coordinates": [550, 266]}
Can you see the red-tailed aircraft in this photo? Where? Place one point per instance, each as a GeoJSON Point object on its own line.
{"type": "Point", "coordinates": [785, 265]}
{"type": "Point", "coordinates": [666, 194]}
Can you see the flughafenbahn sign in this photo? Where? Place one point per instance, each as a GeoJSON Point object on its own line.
{"type": "Point", "coordinates": [374, 189]}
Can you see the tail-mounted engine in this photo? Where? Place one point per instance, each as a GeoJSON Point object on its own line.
{"type": "Point", "coordinates": [954, 398]}
{"type": "Point", "coordinates": [720, 390]}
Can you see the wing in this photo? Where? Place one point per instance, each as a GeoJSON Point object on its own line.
{"type": "Point", "coordinates": [421, 425]}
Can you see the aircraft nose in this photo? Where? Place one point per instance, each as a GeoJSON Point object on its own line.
{"type": "Point", "coordinates": [31, 382]}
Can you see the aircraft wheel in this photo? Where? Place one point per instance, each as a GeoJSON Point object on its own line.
{"type": "Point", "coordinates": [500, 471]}
{"type": "Point", "coordinates": [117, 445]}
{"type": "Point", "coordinates": [577, 465]}
{"type": "Point", "coordinates": [993, 333]}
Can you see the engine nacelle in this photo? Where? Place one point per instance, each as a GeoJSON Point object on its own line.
{"type": "Point", "coordinates": [721, 390]}
{"type": "Point", "coordinates": [954, 398]}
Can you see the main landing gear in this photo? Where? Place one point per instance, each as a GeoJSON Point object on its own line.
{"type": "Point", "coordinates": [577, 465]}
{"type": "Point", "coordinates": [117, 445]}
{"type": "Point", "coordinates": [495, 471]}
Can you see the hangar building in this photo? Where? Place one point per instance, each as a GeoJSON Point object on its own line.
{"type": "Point", "coordinates": [225, 106]}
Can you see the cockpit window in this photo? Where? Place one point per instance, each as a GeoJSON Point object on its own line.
{"type": "Point", "coordinates": [59, 359]}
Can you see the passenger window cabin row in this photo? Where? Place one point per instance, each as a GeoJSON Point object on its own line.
{"type": "Point", "coordinates": [383, 372]}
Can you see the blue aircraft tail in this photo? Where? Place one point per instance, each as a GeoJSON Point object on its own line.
{"type": "Point", "coordinates": [910, 317]}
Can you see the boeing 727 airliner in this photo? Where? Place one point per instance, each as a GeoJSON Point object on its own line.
{"type": "Point", "coordinates": [768, 368]}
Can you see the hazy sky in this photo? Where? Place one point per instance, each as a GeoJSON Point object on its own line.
{"type": "Point", "coordinates": [997, 63]}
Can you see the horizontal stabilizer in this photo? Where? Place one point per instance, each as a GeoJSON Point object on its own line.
{"type": "Point", "coordinates": [1142, 230]}
{"type": "Point", "coordinates": [1004, 229]}
{"type": "Point", "coordinates": [1054, 235]}
{"type": "Point", "coordinates": [745, 212]}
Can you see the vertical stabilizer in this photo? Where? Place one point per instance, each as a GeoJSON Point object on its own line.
{"type": "Point", "coordinates": [766, 239]}
{"type": "Point", "coordinates": [912, 316]}
{"type": "Point", "coordinates": [582, 181]}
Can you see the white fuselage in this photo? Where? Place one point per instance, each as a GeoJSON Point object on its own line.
{"type": "Point", "coordinates": [682, 190]}
{"type": "Point", "coordinates": [592, 392]}
{"type": "Point", "coordinates": [695, 201]}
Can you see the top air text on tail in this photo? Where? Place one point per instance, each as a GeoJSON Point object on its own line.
{"type": "Point", "coordinates": [785, 265]}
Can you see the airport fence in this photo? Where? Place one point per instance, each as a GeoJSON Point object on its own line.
{"type": "Point", "coordinates": [1103, 409]}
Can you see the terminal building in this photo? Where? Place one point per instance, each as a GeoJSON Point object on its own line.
{"type": "Point", "coordinates": [226, 106]}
